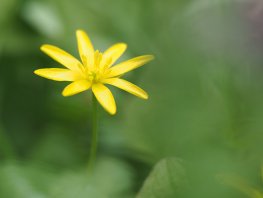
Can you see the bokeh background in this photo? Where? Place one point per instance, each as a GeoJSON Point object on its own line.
{"type": "Point", "coordinates": [199, 135]}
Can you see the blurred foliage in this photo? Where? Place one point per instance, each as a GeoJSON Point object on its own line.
{"type": "Point", "coordinates": [36, 180]}
{"type": "Point", "coordinates": [241, 185]}
{"type": "Point", "coordinates": [205, 106]}
{"type": "Point", "coordinates": [167, 179]}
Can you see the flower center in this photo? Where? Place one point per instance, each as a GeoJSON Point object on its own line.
{"type": "Point", "coordinates": [94, 77]}
{"type": "Point", "coordinates": [96, 71]}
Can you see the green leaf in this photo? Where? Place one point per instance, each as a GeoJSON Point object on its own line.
{"type": "Point", "coordinates": [167, 179]}
{"type": "Point", "coordinates": [15, 182]}
{"type": "Point", "coordinates": [240, 184]}
{"type": "Point", "coordinates": [51, 24]}
{"type": "Point", "coordinates": [111, 178]}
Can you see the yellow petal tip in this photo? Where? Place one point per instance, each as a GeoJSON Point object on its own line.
{"type": "Point", "coordinates": [80, 31]}
{"type": "Point", "coordinates": [112, 112]}
{"type": "Point", "coordinates": [38, 72]}
{"type": "Point", "coordinates": [124, 45]}
{"type": "Point", "coordinates": [65, 94]}
{"type": "Point", "coordinates": [43, 46]}
{"type": "Point", "coordinates": [146, 97]}
{"type": "Point", "coordinates": [150, 57]}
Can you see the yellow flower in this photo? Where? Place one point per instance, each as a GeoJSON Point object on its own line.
{"type": "Point", "coordinates": [94, 70]}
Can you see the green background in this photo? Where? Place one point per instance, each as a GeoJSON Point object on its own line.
{"type": "Point", "coordinates": [203, 120]}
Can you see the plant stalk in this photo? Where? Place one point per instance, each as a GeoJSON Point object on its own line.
{"type": "Point", "coordinates": [94, 133]}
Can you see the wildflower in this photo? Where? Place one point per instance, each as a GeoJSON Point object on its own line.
{"type": "Point", "coordinates": [94, 70]}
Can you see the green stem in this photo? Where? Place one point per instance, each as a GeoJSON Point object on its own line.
{"type": "Point", "coordinates": [94, 135]}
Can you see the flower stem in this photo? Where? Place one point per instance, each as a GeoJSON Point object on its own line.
{"type": "Point", "coordinates": [94, 135]}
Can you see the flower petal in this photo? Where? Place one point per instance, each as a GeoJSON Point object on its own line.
{"type": "Point", "coordinates": [76, 87]}
{"type": "Point", "coordinates": [129, 65]}
{"type": "Point", "coordinates": [127, 86]}
{"type": "Point", "coordinates": [111, 55]}
{"type": "Point", "coordinates": [58, 74]}
{"type": "Point", "coordinates": [105, 97]}
{"type": "Point", "coordinates": [86, 50]}
{"type": "Point", "coordinates": [62, 57]}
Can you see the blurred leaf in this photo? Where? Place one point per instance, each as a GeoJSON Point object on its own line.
{"type": "Point", "coordinates": [109, 172]}
{"type": "Point", "coordinates": [7, 9]}
{"type": "Point", "coordinates": [6, 147]}
{"type": "Point", "coordinates": [75, 184]}
{"type": "Point", "coordinates": [15, 182]}
{"type": "Point", "coordinates": [241, 185]}
{"type": "Point", "coordinates": [43, 17]}
{"type": "Point", "coordinates": [57, 148]}
{"type": "Point", "coordinates": [167, 179]}
{"type": "Point", "coordinates": [111, 178]}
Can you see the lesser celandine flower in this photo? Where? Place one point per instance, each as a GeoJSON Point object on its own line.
{"type": "Point", "coordinates": [94, 70]}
